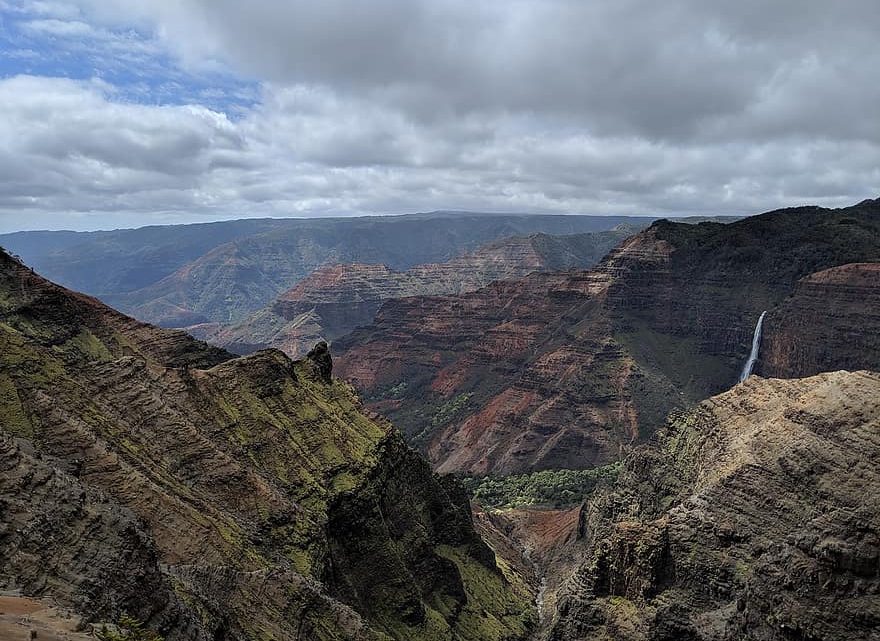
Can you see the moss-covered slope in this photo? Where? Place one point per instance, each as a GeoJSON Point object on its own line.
{"type": "Point", "coordinates": [220, 498]}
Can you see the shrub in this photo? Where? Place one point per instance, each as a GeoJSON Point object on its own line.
{"type": "Point", "coordinates": [554, 488]}
{"type": "Point", "coordinates": [127, 629]}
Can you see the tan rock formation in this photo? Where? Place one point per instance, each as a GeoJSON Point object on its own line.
{"type": "Point", "coordinates": [754, 517]}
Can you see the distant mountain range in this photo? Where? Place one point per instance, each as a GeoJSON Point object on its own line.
{"type": "Point", "coordinates": [334, 300]}
{"type": "Point", "coordinates": [180, 275]}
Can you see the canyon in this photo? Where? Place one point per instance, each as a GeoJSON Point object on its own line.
{"type": "Point", "coordinates": [567, 370]}
{"type": "Point", "coordinates": [218, 497]}
{"type": "Point", "coordinates": [438, 320]}
{"type": "Point", "coordinates": [334, 300]}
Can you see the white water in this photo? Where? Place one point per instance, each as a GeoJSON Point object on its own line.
{"type": "Point", "coordinates": [756, 345]}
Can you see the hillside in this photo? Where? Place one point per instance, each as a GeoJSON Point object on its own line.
{"type": "Point", "coordinates": [753, 517]}
{"type": "Point", "coordinates": [334, 300]}
{"type": "Point", "coordinates": [215, 497]}
{"type": "Point", "coordinates": [564, 370]}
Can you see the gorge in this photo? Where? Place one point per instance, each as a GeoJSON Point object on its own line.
{"type": "Point", "coordinates": [439, 320]}
{"type": "Point", "coordinates": [623, 484]}
{"type": "Point", "coordinates": [564, 370]}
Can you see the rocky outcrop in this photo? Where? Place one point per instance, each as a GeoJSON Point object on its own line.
{"type": "Point", "coordinates": [320, 356]}
{"type": "Point", "coordinates": [749, 519]}
{"type": "Point", "coordinates": [335, 299]}
{"type": "Point", "coordinates": [216, 497]}
{"type": "Point", "coordinates": [566, 370]}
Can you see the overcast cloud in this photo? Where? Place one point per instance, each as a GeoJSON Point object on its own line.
{"type": "Point", "coordinates": [120, 114]}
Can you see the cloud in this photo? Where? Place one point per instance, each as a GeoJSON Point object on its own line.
{"type": "Point", "coordinates": [660, 69]}
{"type": "Point", "coordinates": [337, 107]}
{"type": "Point", "coordinates": [67, 146]}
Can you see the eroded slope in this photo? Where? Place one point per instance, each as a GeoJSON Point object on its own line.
{"type": "Point", "coordinates": [564, 370]}
{"type": "Point", "coordinates": [756, 516]}
{"type": "Point", "coordinates": [220, 498]}
{"type": "Point", "coordinates": [335, 299]}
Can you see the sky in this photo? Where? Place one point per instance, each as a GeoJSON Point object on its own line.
{"type": "Point", "coordinates": [119, 114]}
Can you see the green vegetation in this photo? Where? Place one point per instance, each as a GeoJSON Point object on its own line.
{"type": "Point", "coordinates": [85, 345]}
{"type": "Point", "coordinates": [398, 390]}
{"type": "Point", "coordinates": [556, 488]}
{"type": "Point", "coordinates": [127, 629]}
{"type": "Point", "coordinates": [393, 392]}
{"type": "Point", "coordinates": [449, 409]}
{"type": "Point", "coordinates": [494, 610]}
{"type": "Point", "coordinates": [13, 417]}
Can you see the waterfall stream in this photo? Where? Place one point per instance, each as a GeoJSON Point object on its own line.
{"type": "Point", "coordinates": [753, 355]}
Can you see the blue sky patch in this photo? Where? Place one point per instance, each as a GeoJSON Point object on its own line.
{"type": "Point", "coordinates": [133, 63]}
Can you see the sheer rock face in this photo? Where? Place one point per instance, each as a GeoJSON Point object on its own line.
{"type": "Point", "coordinates": [335, 299]}
{"type": "Point", "coordinates": [565, 369]}
{"type": "Point", "coordinates": [831, 321]}
{"type": "Point", "coordinates": [212, 496]}
{"type": "Point", "coordinates": [754, 517]}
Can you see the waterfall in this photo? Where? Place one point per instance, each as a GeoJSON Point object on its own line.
{"type": "Point", "coordinates": [753, 355]}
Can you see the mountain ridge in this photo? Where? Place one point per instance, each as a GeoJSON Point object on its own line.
{"type": "Point", "coordinates": [142, 257]}
{"type": "Point", "coordinates": [216, 497]}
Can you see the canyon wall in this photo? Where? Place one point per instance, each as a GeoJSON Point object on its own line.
{"type": "Point", "coordinates": [568, 369]}
{"type": "Point", "coordinates": [753, 517]}
{"type": "Point", "coordinates": [335, 299]}
{"type": "Point", "coordinates": [829, 322]}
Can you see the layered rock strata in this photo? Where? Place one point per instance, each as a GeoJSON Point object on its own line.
{"type": "Point", "coordinates": [215, 497]}
{"type": "Point", "coordinates": [829, 322]}
{"type": "Point", "coordinates": [753, 517]}
{"type": "Point", "coordinates": [335, 299]}
{"type": "Point", "coordinates": [568, 369]}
